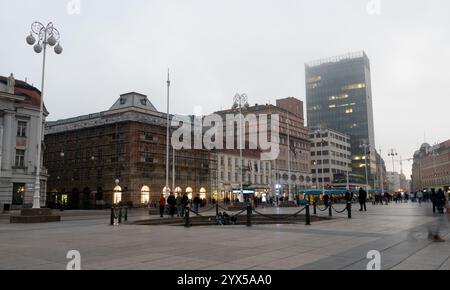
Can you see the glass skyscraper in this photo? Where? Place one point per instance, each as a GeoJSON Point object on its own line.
{"type": "Point", "coordinates": [339, 97]}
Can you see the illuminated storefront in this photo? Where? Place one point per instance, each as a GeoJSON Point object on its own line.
{"type": "Point", "coordinates": [145, 194]}
{"type": "Point", "coordinates": [117, 198]}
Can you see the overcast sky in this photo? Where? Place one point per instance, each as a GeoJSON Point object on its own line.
{"type": "Point", "coordinates": [216, 48]}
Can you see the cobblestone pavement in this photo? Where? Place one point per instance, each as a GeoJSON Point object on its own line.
{"type": "Point", "coordinates": [398, 231]}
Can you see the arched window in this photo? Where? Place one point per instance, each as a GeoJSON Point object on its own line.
{"type": "Point", "coordinates": [202, 193]}
{"type": "Point", "coordinates": [189, 192]}
{"type": "Point", "coordinates": [145, 194]}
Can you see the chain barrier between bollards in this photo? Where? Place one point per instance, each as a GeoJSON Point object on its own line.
{"type": "Point", "coordinates": [340, 211]}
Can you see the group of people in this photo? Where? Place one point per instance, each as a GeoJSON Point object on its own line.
{"type": "Point", "coordinates": [178, 204]}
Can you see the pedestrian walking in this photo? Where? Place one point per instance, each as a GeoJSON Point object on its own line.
{"type": "Point", "coordinates": [433, 198]}
{"type": "Point", "coordinates": [179, 202]}
{"type": "Point", "coordinates": [326, 200]}
{"type": "Point", "coordinates": [172, 202]}
{"type": "Point", "coordinates": [162, 205]}
{"type": "Point", "coordinates": [362, 199]}
{"type": "Point", "coordinates": [440, 203]}
{"type": "Point", "coordinates": [197, 202]}
{"type": "Point", "coordinates": [419, 196]}
{"type": "Point", "coordinates": [184, 204]}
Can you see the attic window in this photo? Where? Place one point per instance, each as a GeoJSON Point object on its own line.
{"type": "Point", "coordinates": [144, 102]}
{"type": "Point", "coordinates": [123, 101]}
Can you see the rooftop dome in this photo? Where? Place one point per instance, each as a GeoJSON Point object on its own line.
{"type": "Point", "coordinates": [425, 146]}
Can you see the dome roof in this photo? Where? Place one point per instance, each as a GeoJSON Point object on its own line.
{"type": "Point", "coordinates": [425, 146]}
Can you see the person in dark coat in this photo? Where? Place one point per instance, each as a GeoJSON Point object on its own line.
{"type": "Point", "coordinates": [440, 200]}
{"type": "Point", "coordinates": [172, 202]}
{"type": "Point", "coordinates": [197, 203]}
{"type": "Point", "coordinates": [349, 197]}
{"type": "Point", "coordinates": [184, 204]}
{"type": "Point", "coordinates": [362, 199]}
{"type": "Point", "coordinates": [326, 200]}
{"type": "Point", "coordinates": [433, 199]}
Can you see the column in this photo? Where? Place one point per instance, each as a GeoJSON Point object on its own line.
{"type": "Point", "coordinates": [7, 141]}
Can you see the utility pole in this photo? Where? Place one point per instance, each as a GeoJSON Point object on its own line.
{"type": "Point", "coordinates": [167, 190]}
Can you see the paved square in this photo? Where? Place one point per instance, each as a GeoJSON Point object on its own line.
{"type": "Point", "coordinates": [398, 231]}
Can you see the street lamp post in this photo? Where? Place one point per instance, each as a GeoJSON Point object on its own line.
{"type": "Point", "coordinates": [240, 100]}
{"type": "Point", "coordinates": [321, 158]}
{"type": "Point", "coordinates": [289, 156]}
{"type": "Point", "coordinates": [46, 35]}
{"type": "Point", "coordinates": [381, 174]}
{"type": "Point", "coordinates": [365, 146]}
{"type": "Point", "coordinates": [392, 154]}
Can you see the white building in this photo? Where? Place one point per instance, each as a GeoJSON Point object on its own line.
{"type": "Point", "coordinates": [397, 182]}
{"type": "Point", "coordinates": [19, 116]}
{"type": "Point", "coordinates": [257, 175]}
{"type": "Point", "coordinates": [330, 151]}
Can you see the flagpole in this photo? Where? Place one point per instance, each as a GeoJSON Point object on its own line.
{"type": "Point", "coordinates": [167, 190]}
{"type": "Point", "coordinates": [289, 155]}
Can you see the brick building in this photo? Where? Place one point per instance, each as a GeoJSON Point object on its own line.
{"type": "Point", "coordinates": [86, 155]}
{"type": "Point", "coordinates": [431, 167]}
{"type": "Point", "coordinates": [290, 111]}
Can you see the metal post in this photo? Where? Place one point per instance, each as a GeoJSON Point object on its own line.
{"type": "Point", "coordinates": [217, 208]}
{"type": "Point", "coordinates": [112, 216]}
{"type": "Point", "coordinates": [167, 134]}
{"type": "Point", "coordinates": [187, 223]}
{"type": "Point", "coordinates": [240, 150]}
{"type": "Point", "coordinates": [126, 214]}
{"type": "Point", "coordinates": [289, 156]}
{"type": "Point", "coordinates": [120, 215]}
{"type": "Point", "coordinates": [367, 172]}
{"type": "Point", "coordinates": [321, 158]}
{"type": "Point", "coordinates": [173, 168]}
{"type": "Point", "coordinates": [249, 216]}
{"type": "Point", "coordinates": [314, 206]}
{"type": "Point", "coordinates": [349, 209]}
{"type": "Point", "coordinates": [308, 216]}
{"type": "Point", "coordinates": [330, 210]}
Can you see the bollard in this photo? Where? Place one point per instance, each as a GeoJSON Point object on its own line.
{"type": "Point", "coordinates": [126, 214]}
{"type": "Point", "coordinates": [112, 216]}
{"type": "Point", "coordinates": [249, 216]}
{"type": "Point", "coordinates": [308, 216]}
{"type": "Point", "coordinates": [217, 208]}
{"type": "Point", "coordinates": [187, 223]}
{"type": "Point", "coordinates": [330, 210]}
{"type": "Point", "coordinates": [315, 207]}
{"type": "Point", "coordinates": [120, 215]}
{"type": "Point", "coordinates": [349, 210]}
